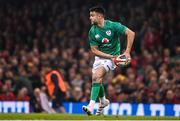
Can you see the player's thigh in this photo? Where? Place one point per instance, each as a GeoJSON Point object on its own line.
{"type": "Point", "coordinates": [98, 73]}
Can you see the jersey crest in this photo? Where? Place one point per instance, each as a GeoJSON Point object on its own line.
{"type": "Point", "coordinates": [108, 32]}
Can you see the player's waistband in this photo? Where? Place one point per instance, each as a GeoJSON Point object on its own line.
{"type": "Point", "coordinates": [100, 58]}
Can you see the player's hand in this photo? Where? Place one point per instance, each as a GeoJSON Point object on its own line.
{"type": "Point", "coordinates": [128, 56]}
{"type": "Point", "coordinates": [114, 57]}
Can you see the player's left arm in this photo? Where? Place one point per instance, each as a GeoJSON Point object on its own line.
{"type": "Point", "coordinates": [121, 29]}
{"type": "Point", "coordinates": [130, 39]}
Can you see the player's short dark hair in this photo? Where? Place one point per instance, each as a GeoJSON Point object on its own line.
{"type": "Point", "coordinates": [98, 9]}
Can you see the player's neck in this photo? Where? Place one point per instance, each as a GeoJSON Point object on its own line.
{"type": "Point", "coordinates": [101, 23]}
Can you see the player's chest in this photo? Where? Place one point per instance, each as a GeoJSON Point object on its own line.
{"type": "Point", "coordinates": [104, 35]}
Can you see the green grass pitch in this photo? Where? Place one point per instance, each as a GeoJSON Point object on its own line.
{"type": "Point", "coordinates": [43, 116]}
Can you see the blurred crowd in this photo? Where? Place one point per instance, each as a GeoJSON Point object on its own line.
{"type": "Point", "coordinates": [39, 32]}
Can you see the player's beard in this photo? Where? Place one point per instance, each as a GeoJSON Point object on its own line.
{"type": "Point", "coordinates": [94, 23]}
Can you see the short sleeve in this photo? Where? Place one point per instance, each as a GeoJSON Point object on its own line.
{"type": "Point", "coordinates": [119, 28]}
{"type": "Point", "coordinates": [92, 40]}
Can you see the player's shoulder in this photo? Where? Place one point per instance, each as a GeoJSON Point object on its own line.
{"type": "Point", "coordinates": [109, 22]}
{"type": "Point", "coordinates": [92, 29]}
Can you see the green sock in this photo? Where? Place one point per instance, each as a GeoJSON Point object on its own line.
{"type": "Point", "coordinates": [95, 91]}
{"type": "Point", "coordinates": [101, 92]}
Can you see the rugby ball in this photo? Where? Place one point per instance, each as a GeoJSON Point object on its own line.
{"type": "Point", "coordinates": [121, 60]}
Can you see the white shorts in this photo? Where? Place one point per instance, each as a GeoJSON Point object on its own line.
{"type": "Point", "coordinates": [102, 62]}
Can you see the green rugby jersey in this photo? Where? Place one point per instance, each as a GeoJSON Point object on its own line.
{"type": "Point", "coordinates": [107, 37]}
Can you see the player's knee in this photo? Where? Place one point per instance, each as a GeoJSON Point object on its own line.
{"type": "Point", "coordinates": [96, 79]}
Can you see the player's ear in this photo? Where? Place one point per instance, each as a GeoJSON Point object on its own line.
{"type": "Point", "coordinates": [99, 15]}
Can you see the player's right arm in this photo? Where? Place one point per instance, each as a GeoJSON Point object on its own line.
{"type": "Point", "coordinates": [99, 53]}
